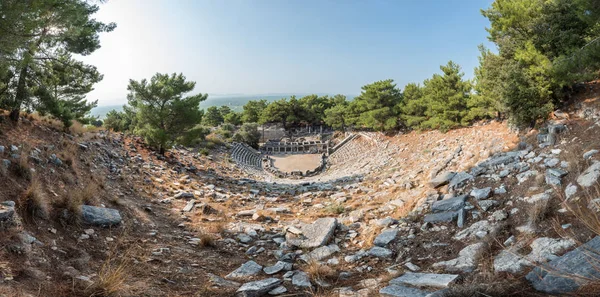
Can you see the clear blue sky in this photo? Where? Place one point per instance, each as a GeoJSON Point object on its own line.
{"type": "Point", "coordinates": [285, 46]}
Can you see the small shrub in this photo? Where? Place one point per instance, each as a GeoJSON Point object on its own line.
{"type": "Point", "coordinates": [215, 140]}
{"type": "Point", "coordinates": [204, 151]}
{"type": "Point", "coordinates": [335, 208]}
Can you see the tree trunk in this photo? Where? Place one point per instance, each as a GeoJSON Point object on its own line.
{"type": "Point", "coordinates": [20, 95]}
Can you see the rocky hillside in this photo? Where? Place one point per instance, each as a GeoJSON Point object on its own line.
{"type": "Point", "coordinates": [479, 211]}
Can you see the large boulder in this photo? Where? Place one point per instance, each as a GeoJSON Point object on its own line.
{"type": "Point", "coordinates": [542, 249]}
{"type": "Point", "coordinates": [313, 235]}
{"type": "Point", "coordinates": [568, 273]}
{"type": "Point", "coordinates": [100, 216]}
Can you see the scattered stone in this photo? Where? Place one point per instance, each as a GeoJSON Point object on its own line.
{"type": "Point", "coordinates": [589, 154]}
{"type": "Point", "coordinates": [442, 179]}
{"type": "Point", "coordinates": [188, 207]}
{"type": "Point", "coordinates": [258, 288]}
{"type": "Point", "coordinates": [100, 216]}
{"type": "Point", "coordinates": [221, 282]}
{"type": "Point", "coordinates": [301, 280]}
{"type": "Point", "coordinates": [524, 176]}
{"type": "Point", "coordinates": [459, 180]}
{"type": "Point", "coordinates": [503, 159]}
{"type": "Point", "coordinates": [249, 268]}
{"type": "Point", "coordinates": [537, 197]}
{"type": "Point", "coordinates": [510, 241]}
{"type": "Point", "coordinates": [355, 257]}
{"type": "Point", "coordinates": [557, 172]}
{"type": "Point", "coordinates": [544, 248]}
{"type": "Point", "coordinates": [509, 261]}
{"type": "Point", "coordinates": [380, 252]}
{"type": "Point", "coordinates": [590, 176]}
{"type": "Point", "coordinates": [278, 291]}
{"type": "Point", "coordinates": [476, 230]}
{"type": "Point", "coordinates": [594, 205]}
{"type": "Point", "coordinates": [552, 180]}
{"type": "Point", "coordinates": [454, 203]}
{"type": "Point", "coordinates": [401, 291]}
{"type": "Point", "coordinates": [485, 205]}
{"type": "Point", "coordinates": [412, 267]}
{"type": "Point", "coordinates": [320, 253]}
{"type": "Point", "coordinates": [466, 261]}
{"type": "Point", "coordinates": [442, 217]}
{"type": "Point", "coordinates": [481, 194]}
{"type": "Point", "coordinates": [385, 237]}
{"type": "Point", "coordinates": [244, 238]}
{"type": "Point", "coordinates": [551, 162]}
{"type": "Point", "coordinates": [184, 195]}
{"type": "Point", "coordinates": [278, 267]}
{"type": "Point", "coordinates": [570, 190]}
{"type": "Point", "coordinates": [500, 215]}
{"type": "Point", "coordinates": [6, 212]}
{"type": "Point", "coordinates": [313, 235]}
{"type": "Point", "coordinates": [424, 280]}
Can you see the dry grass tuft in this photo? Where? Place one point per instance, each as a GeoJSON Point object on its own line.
{"type": "Point", "coordinates": [69, 150]}
{"type": "Point", "coordinates": [111, 279]}
{"type": "Point", "coordinates": [206, 240]}
{"type": "Point", "coordinates": [89, 194]}
{"type": "Point", "coordinates": [408, 206]}
{"type": "Point", "coordinates": [320, 272]}
{"type": "Point", "coordinates": [370, 235]}
{"type": "Point", "coordinates": [34, 203]}
{"type": "Point", "coordinates": [539, 211]}
{"type": "Point", "coordinates": [21, 168]}
{"type": "Point", "coordinates": [77, 128]}
{"type": "Point", "coordinates": [70, 204]}
{"type": "Point", "coordinates": [216, 228]}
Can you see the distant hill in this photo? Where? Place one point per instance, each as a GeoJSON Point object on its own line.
{"type": "Point", "coordinates": [235, 102]}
